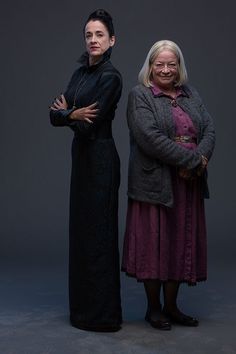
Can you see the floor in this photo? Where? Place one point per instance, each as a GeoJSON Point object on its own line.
{"type": "Point", "coordinates": [34, 317]}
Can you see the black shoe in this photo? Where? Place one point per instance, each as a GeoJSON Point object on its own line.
{"type": "Point", "coordinates": [162, 324]}
{"type": "Point", "coordinates": [181, 319]}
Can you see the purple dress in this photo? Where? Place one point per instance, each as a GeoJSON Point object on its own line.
{"type": "Point", "coordinates": [169, 243]}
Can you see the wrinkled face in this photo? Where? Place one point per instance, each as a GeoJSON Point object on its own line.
{"type": "Point", "coordinates": [97, 39]}
{"type": "Point", "coordinates": [164, 71]}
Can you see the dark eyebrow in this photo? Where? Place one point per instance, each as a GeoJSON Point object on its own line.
{"type": "Point", "coordinates": [97, 32]}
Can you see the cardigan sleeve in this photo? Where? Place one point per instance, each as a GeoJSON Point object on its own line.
{"type": "Point", "coordinates": [152, 139]}
{"type": "Point", "coordinates": [207, 142]}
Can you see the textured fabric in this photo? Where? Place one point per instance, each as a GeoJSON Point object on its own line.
{"type": "Point", "coordinates": [94, 283]}
{"type": "Point", "coordinates": [152, 149]}
{"type": "Point", "coordinates": [169, 243]}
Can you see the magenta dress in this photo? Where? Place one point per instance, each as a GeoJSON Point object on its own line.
{"type": "Point", "coordinates": [169, 243]}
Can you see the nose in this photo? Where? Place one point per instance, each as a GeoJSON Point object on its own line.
{"type": "Point", "coordinates": [166, 69]}
{"type": "Point", "coordinates": [93, 38]}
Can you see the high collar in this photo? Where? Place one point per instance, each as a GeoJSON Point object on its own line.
{"type": "Point", "coordinates": [84, 60]}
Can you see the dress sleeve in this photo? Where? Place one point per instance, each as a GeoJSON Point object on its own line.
{"type": "Point", "coordinates": [60, 118]}
{"type": "Point", "coordinates": [151, 139]}
{"type": "Point", "coordinates": [108, 93]}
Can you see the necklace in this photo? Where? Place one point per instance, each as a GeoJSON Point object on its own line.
{"type": "Point", "coordinates": [78, 88]}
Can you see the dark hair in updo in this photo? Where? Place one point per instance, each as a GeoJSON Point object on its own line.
{"type": "Point", "coordinates": [104, 17]}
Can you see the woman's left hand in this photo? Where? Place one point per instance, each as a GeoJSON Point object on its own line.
{"type": "Point", "coordinates": [185, 174]}
{"type": "Point", "coordinates": [203, 166]}
{"type": "Point", "coordinates": [197, 172]}
{"type": "Point", "coordinates": [59, 103]}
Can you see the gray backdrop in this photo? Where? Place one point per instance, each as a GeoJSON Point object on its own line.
{"type": "Point", "coordinates": [39, 48]}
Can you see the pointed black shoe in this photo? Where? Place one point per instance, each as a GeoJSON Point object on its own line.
{"type": "Point", "coordinates": [162, 324]}
{"type": "Point", "coordinates": [181, 319]}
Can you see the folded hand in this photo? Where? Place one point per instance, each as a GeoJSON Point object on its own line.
{"type": "Point", "coordinates": [85, 113]}
{"type": "Point", "coordinates": [59, 103]}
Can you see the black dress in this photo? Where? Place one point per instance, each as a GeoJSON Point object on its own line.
{"type": "Point", "coordinates": [94, 276]}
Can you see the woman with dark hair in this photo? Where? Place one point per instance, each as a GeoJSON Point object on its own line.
{"type": "Point", "coordinates": [88, 108]}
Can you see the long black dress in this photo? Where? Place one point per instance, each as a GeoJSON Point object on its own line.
{"type": "Point", "coordinates": [94, 276]}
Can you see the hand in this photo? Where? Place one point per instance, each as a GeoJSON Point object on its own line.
{"type": "Point", "coordinates": [185, 174]}
{"type": "Point", "coordinates": [85, 113]}
{"type": "Point", "coordinates": [197, 172]}
{"type": "Point", "coordinates": [59, 103]}
{"type": "Point", "coordinates": [204, 161]}
{"type": "Point", "coordinates": [203, 166]}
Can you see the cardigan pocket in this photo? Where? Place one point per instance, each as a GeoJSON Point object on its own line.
{"type": "Point", "coordinates": [145, 173]}
{"type": "Point", "coordinates": [152, 179]}
{"type": "Point", "coordinates": [148, 164]}
{"type": "Point", "coordinates": [151, 175]}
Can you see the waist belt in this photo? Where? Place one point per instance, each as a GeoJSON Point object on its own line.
{"type": "Point", "coordinates": [184, 139]}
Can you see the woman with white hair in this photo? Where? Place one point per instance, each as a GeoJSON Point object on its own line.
{"type": "Point", "coordinates": [171, 141]}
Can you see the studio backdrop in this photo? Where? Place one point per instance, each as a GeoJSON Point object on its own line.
{"type": "Point", "coordinates": [40, 45]}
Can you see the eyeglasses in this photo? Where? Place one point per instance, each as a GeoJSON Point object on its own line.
{"type": "Point", "coordinates": [162, 66]}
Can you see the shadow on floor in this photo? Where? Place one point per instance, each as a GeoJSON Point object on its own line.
{"type": "Point", "coordinates": [34, 318]}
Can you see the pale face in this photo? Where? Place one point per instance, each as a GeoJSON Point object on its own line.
{"type": "Point", "coordinates": [97, 40]}
{"type": "Point", "coordinates": [165, 69]}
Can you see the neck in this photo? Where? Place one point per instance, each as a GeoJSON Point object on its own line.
{"type": "Point", "coordinates": [94, 60]}
{"type": "Point", "coordinates": [171, 91]}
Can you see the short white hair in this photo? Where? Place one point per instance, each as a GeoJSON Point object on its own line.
{"type": "Point", "coordinates": [144, 76]}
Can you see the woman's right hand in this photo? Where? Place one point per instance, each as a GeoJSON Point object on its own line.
{"type": "Point", "coordinates": [197, 172]}
{"type": "Point", "coordinates": [85, 113]}
{"type": "Point", "coordinates": [185, 174]}
{"type": "Point", "coordinates": [203, 166]}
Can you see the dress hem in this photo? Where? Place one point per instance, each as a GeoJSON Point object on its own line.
{"type": "Point", "coordinates": [95, 328]}
{"type": "Point", "coordinates": [189, 282]}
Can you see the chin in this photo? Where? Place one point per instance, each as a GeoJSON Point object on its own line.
{"type": "Point", "coordinates": [94, 54]}
{"type": "Point", "coordinates": [166, 82]}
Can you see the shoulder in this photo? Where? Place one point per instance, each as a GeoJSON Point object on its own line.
{"type": "Point", "coordinates": [110, 72]}
{"type": "Point", "coordinates": [140, 89]}
{"type": "Point", "coordinates": [140, 95]}
{"type": "Point", "coordinates": [77, 72]}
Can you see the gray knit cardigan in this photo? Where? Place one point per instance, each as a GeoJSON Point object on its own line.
{"type": "Point", "coordinates": [152, 148]}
